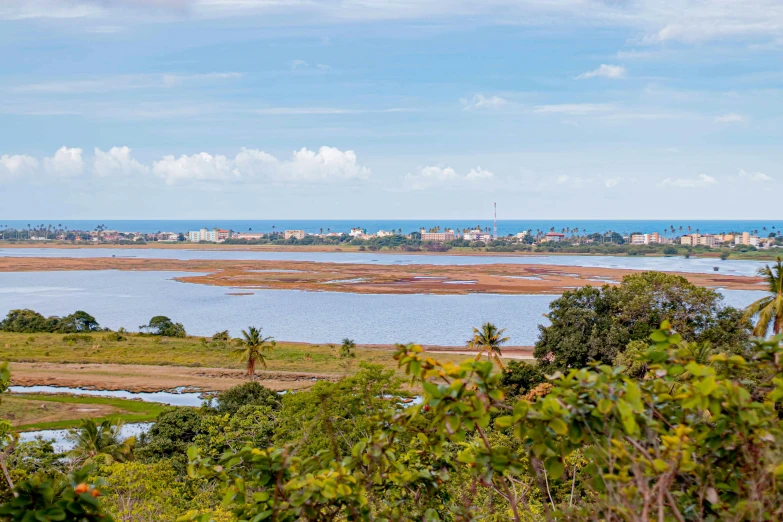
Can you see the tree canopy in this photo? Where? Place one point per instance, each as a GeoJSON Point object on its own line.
{"type": "Point", "coordinates": [595, 324]}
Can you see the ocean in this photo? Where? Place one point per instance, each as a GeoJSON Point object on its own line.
{"type": "Point", "coordinates": [505, 227]}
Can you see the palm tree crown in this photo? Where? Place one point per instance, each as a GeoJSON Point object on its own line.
{"type": "Point", "coordinates": [488, 339]}
{"type": "Point", "coordinates": [93, 440]}
{"type": "Point", "coordinates": [251, 349]}
{"type": "Point", "coordinates": [769, 309]}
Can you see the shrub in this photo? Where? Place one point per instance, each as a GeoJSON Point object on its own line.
{"type": "Point", "coordinates": [77, 338]}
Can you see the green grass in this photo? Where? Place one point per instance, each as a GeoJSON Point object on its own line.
{"type": "Point", "coordinates": [132, 411]}
{"type": "Point", "coordinates": [149, 350]}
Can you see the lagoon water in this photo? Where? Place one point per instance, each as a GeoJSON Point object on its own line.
{"type": "Point", "coordinates": [128, 299]}
{"type": "Point", "coordinates": [663, 264]}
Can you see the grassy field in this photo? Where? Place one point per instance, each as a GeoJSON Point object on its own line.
{"type": "Point", "coordinates": [191, 352]}
{"type": "Point", "coordinates": [44, 412]}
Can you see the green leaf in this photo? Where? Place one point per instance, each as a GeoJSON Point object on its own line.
{"type": "Point", "coordinates": [660, 465]}
{"type": "Point", "coordinates": [504, 421]}
{"type": "Point", "coordinates": [604, 406]}
{"type": "Point", "coordinates": [558, 426]}
{"type": "Point", "coordinates": [554, 468]}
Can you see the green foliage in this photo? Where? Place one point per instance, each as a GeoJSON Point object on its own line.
{"type": "Point", "coordinates": [247, 394]}
{"type": "Point", "coordinates": [163, 326]}
{"type": "Point", "coordinates": [171, 434]}
{"type": "Point", "coordinates": [99, 441]}
{"type": "Point", "coordinates": [768, 311]}
{"type": "Point", "coordinates": [41, 498]}
{"type": "Point", "coordinates": [250, 425]}
{"type": "Point", "coordinates": [30, 321]}
{"type": "Point", "coordinates": [591, 324]}
{"type": "Point", "coordinates": [347, 349]}
{"type": "Point", "coordinates": [77, 338]}
{"type": "Point", "coordinates": [252, 348]}
{"type": "Point", "coordinates": [690, 442]}
{"type": "Point", "coordinates": [520, 377]}
{"type": "Point", "coordinates": [488, 340]}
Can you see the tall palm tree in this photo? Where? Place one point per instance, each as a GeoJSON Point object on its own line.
{"type": "Point", "coordinates": [488, 339]}
{"type": "Point", "coordinates": [769, 309]}
{"type": "Point", "coordinates": [252, 348]}
{"type": "Point", "coordinates": [93, 440]}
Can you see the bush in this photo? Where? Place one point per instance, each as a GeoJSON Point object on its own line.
{"type": "Point", "coordinates": [77, 338]}
{"type": "Point", "coordinates": [163, 326]}
{"type": "Point", "coordinates": [591, 324]}
{"type": "Point", "coordinates": [250, 393]}
{"type": "Point", "coordinates": [114, 336]}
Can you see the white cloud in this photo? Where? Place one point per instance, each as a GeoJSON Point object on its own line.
{"type": "Point", "coordinates": [702, 180]}
{"type": "Point", "coordinates": [433, 175]}
{"type": "Point", "coordinates": [755, 176]}
{"type": "Point", "coordinates": [478, 174]}
{"type": "Point", "coordinates": [329, 164]}
{"type": "Point", "coordinates": [65, 162]}
{"type": "Point", "coordinates": [481, 102]}
{"type": "Point", "coordinates": [15, 165]}
{"type": "Point", "coordinates": [198, 167]}
{"type": "Point", "coordinates": [324, 66]}
{"type": "Point", "coordinates": [571, 181]}
{"type": "Point", "coordinates": [731, 118]}
{"type": "Point", "coordinates": [613, 72]}
{"type": "Point", "coordinates": [295, 64]}
{"type": "Point", "coordinates": [117, 161]}
{"type": "Point", "coordinates": [612, 182]}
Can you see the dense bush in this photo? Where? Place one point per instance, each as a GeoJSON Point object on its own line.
{"type": "Point", "coordinates": [595, 324]}
{"type": "Point", "coordinates": [163, 326]}
{"type": "Point", "coordinates": [30, 321]}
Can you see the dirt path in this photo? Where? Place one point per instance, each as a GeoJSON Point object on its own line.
{"type": "Point", "coordinates": [143, 378]}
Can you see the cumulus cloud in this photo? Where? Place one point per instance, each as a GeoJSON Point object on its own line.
{"type": "Point", "coordinates": [702, 180]}
{"type": "Point", "coordinates": [328, 164]}
{"type": "Point", "coordinates": [15, 165]}
{"type": "Point", "coordinates": [432, 175]}
{"type": "Point", "coordinates": [117, 161]}
{"type": "Point", "coordinates": [754, 176]}
{"type": "Point", "coordinates": [481, 102]}
{"type": "Point", "coordinates": [613, 72]}
{"type": "Point", "coordinates": [731, 118]}
{"type": "Point", "coordinates": [65, 162]}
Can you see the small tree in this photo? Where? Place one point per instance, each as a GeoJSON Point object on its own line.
{"type": "Point", "coordinates": [347, 353]}
{"type": "Point", "coordinates": [488, 340]}
{"type": "Point", "coordinates": [251, 349]}
{"type": "Point", "coordinates": [162, 325]}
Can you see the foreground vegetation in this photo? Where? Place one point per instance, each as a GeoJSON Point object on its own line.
{"type": "Point", "coordinates": [621, 419]}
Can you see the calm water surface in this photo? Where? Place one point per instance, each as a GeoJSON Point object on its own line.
{"type": "Point", "coordinates": [129, 299]}
{"type": "Point", "coordinates": [663, 264]}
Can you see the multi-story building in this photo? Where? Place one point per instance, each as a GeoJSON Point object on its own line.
{"type": "Point", "coordinates": [216, 235]}
{"type": "Point", "coordinates": [385, 233]}
{"type": "Point", "coordinates": [168, 236]}
{"type": "Point", "coordinates": [690, 240]}
{"type": "Point", "coordinates": [357, 232]}
{"type": "Point", "coordinates": [296, 234]}
{"type": "Point", "coordinates": [746, 239]}
{"type": "Point", "coordinates": [448, 235]}
{"type": "Point", "coordinates": [645, 239]}
{"type": "Point", "coordinates": [554, 237]}
{"type": "Point", "coordinates": [477, 235]}
{"type": "Point", "coordinates": [250, 236]}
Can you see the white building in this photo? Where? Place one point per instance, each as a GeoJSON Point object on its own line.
{"type": "Point", "coordinates": [645, 239]}
{"type": "Point", "coordinates": [554, 237]}
{"type": "Point", "coordinates": [477, 235]}
{"type": "Point", "coordinates": [196, 236]}
{"type": "Point", "coordinates": [296, 234]}
{"type": "Point", "coordinates": [385, 233]}
{"type": "Point", "coordinates": [357, 232]}
{"type": "Point", "coordinates": [522, 235]}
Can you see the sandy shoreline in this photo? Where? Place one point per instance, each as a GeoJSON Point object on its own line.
{"type": "Point", "coordinates": [240, 275]}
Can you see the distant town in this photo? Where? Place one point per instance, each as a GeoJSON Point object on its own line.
{"type": "Point", "coordinates": [476, 237]}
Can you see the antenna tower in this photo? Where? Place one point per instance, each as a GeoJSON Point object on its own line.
{"type": "Point", "coordinates": [496, 222]}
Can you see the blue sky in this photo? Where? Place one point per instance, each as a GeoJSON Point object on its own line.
{"type": "Point", "coordinates": [390, 109]}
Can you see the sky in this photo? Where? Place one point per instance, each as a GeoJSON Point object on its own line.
{"type": "Point", "coordinates": [391, 109]}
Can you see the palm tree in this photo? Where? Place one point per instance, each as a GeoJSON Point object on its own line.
{"type": "Point", "coordinates": [93, 440]}
{"type": "Point", "coordinates": [769, 309]}
{"type": "Point", "coordinates": [251, 350]}
{"type": "Point", "coordinates": [488, 340]}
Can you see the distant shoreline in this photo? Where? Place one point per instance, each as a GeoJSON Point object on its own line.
{"type": "Point", "coordinates": [767, 255]}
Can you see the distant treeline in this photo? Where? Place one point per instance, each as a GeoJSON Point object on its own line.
{"type": "Point", "coordinates": [80, 322]}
